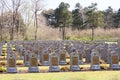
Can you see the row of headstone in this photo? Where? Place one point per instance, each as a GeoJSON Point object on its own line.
{"type": "Point", "coordinates": [54, 62]}
{"type": "Point", "coordinates": [104, 52]}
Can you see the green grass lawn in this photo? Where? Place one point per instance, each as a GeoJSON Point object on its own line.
{"type": "Point", "coordinates": [89, 75]}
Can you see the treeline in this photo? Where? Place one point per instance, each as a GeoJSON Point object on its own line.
{"type": "Point", "coordinates": [82, 17]}
{"type": "Point", "coordinates": [17, 15]}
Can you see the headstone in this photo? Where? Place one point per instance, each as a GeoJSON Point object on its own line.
{"type": "Point", "coordinates": [22, 53]}
{"type": "Point", "coordinates": [11, 63]}
{"type": "Point", "coordinates": [62, 57]}
{"type": "Point", "coordinates": [109, 55]}
{"type": "Point", "coordinates": [80, 57]}
{"type": "Point", "coordinates": [74, 64]}
{"type": "Point", "coordinates": [40, 50]}
{"type": "Point", "coordinates": [95, 61]}
{"type": "Point", "coordinates": [45, 57]}
{"type": "Point", "coordinates": [54, 63]}
{"type": "Point", "coordinates": [114, 60]}
{"type": "Point", "coordinates": [36, 52]}
{"type": "Point", "coordinates": [104, 53]}
{"type": "Point", "coordinates": [87, 55]}
{"type": "Point", "coordinates": [118, 51]}
{"type": "Point", "coordinates": [33, 67]}
{"type": "Point", "coordinates": [26, 58]}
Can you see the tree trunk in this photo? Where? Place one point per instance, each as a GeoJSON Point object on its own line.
{"type": "Point", "coordinates": [1, 25]}
{"type": "Point", "coordinates": [18, 27]}
{"type": "Point", "coordinates": [12, 28]}
{"type": "Point", "coordinates": [11, 34]}
{"type": "Point", "coordinates": [36, 24]}
{"type": "Point", "coordinates": [63, 33]}
{"type": "Point", "coordinates": [0, 32]}
{"type": "Point", "coordinates": [92, 33]}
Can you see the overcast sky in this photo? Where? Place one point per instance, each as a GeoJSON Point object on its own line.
{"type": "Point", "coordinates": [102, 4]}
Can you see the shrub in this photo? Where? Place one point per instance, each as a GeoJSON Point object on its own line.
{"type": "Point", "coordinates": [3, 54]}
{"type": "Point", "coordinates": [39, 63]}
{"type": "Point", "coordinates": [67, 38]}
{"type": "Point", "coordinates": [2, 69]}
{"type": "Point", "coordinates": [104, 67]}
{"type": "Point", "coordinates": [2, 58]}
{"type": "Point", "coordinates": [65, 69]}
{"type": "Point", "coordinates": [102, 61]}
{"type": "Point", "coordinates": [19, 63]}
{"type": "Point", "coordinates": [2, 63]}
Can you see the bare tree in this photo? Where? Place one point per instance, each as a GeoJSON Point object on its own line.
{"type": "Point", "coordinates": [1, 21]}
{"type": "Point", "coordinates": [37, 7]}
{"type": "Point", "coordinates": [15, 7]}
{"type": "Point", "coordinates": [28, 17]}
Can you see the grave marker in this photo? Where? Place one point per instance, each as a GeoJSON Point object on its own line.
{"type": "Point", "coordinates": [62, 56]}
{"type": "Point", "coordinates": [95, 61]}
{"type": "Point", "coordinates": [54, 63]}
{"type": "Point", "coordinates": [114, 60]}
{"type": "Point", "coordinates": [104, 53]}
{"type": "Point", "coordinates": [45, 57]}
{"type": "Point", "coordinates": [80, 57]}
{"type": "Point", "coordinates": [33, 67]}
{"type": "Point", "coordinates": [87, 55]}
{"type": "Point", "coordinates": [74, 64]}
{"type": "Point", "coordinates": [22, 53]}
{"type": "Point", "coordinates": [26, 58]}
{"type": "Point", "coordinates": [11, 63]}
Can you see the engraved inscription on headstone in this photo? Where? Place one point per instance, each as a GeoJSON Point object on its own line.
{"type": "Point", "coordinates": [54, 61]}
{"type": "Point", "coordinates": [45, 57]}
{"type": "Point", "coordinates": [11, 62]}
{"type": "Point", "coordinates": [33, 61]}
{"type": "Point", "coordinates": [95, 60]}
{"type": "Point", "coordinates": [62, 56]}
{"type": "Point", "coordinates": [115, 59]}
{"type": "Point", "coordinates": [74, 60]}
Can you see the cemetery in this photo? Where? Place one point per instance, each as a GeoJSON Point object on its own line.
{"type": "Point", "coordinates": [58, 56]}
{"type": "Point", "coordinates": [59, 40]}
{"type": "Point", "coordinates": [41, 57]}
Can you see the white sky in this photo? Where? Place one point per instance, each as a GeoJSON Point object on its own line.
{"type": "Point", "coordinates": [102, 4]}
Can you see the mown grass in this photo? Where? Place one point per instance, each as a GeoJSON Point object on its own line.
{"type": "Point", "coordinates": [90, 75]}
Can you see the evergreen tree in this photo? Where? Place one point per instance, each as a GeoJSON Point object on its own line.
{"type": "Point", "coordinates": [63, 17]}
